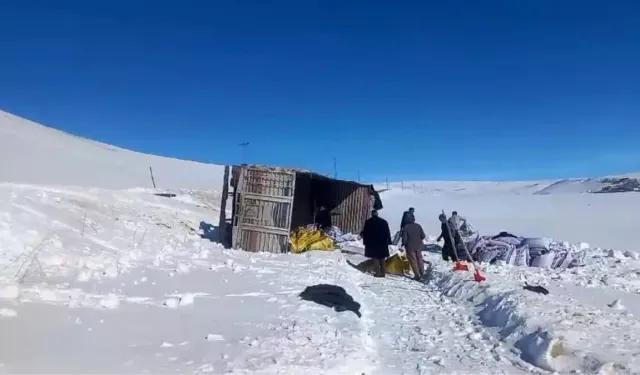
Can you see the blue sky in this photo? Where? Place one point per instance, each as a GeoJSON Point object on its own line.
{"type": "Point", "coordinates": [405, 90]}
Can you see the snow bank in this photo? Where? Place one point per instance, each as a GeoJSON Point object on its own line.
{"type": "Point", "coordinates": [553, 332]}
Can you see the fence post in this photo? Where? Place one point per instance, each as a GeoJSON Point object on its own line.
{"type": "Point", "coordinates": [152, 180]}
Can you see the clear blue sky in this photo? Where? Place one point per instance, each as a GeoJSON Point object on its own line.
{"type": "Point", "coordinates": [405, 89]}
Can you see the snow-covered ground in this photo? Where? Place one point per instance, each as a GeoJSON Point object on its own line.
{"type": "Point", "coordinates": [108, 277]}
{"type": "Point", "coordinates": [121, 282]}
{"type": "Point", "coordinates": [127, 282]}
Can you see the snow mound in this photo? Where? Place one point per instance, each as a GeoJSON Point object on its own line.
{"type": "Point", "coordinates": [551, 332]}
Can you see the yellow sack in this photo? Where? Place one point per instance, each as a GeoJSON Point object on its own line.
{"type": "Point", "coordinates": [304, 239]}
{"type": "Point", "coordinates": [398, 264]}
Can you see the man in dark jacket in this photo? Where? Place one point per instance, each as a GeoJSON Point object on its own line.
{"type": "Point", "coordinates": [323, 218]}
{"type": "Point", "coordinates": [409, 214]}
{"type": "Point", "coordinates": [377, 238]}
{"type": "Point", "coordinates": [412, 236]}
{"type": "Point", "coordinates": [448, 250]}
{"type": "Point", "coordinates": [377, 202]}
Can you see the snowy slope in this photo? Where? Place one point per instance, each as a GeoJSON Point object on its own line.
{"type": "Point", "coordinates": [606, 220]}
{"type": "Point", "coordinates": [438, 188]}
{"type": "Point", "coordinates": [35, 154]}
{"type": "Point", "coordinates": [562, 186]}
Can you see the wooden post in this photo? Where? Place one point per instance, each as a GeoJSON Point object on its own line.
{"type": "Point", "coordinates": [222, 230]}
{"type": "Point", "coordinates": [152, 180]}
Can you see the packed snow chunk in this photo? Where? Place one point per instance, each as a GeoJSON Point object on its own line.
{"type": "Point", "coordinates": [55, 242]}
{"type": "Point", "coordinates": [610, 280]}
{"type": "Point", "coordinates": [49, 295]}
{"type": "Point", "coordinates": [9, 292]}
{"type": "Point", "coordinates": [52, 261]}
{"type": "Point", "coordinates": [204, 254]}
{"type": "Point", "coordinates": [584, 246]}
{"type": "Point", "coordinates": [183, 268]}
{"type": "Point", "coordinates": [187, 299]}
{"type": "Point", "coordinates": [84, 276]}
{"type": "Point", "coordinates": [111, 271]}
{"type": "Point", "coordinates": [617, 304]}
{"type": "Point", "coordinates": [214, 337]}
{"type": "Point", "coordinates": [541, 349]}
{"type": "Point", "coordinates": [172, 302]}
{"type": "Point", "coordinates": [8, 313]}
{"type": "Point", "coordinates": [632, 254]}
{"type": "Point", "coordinates": [617, 254]}
{"type": "Point", "coordinates": [215, 267]}
{"type": "Point", "coordinates": [110, 301]}
{"type": "Point", "coordinates": [206, 369]}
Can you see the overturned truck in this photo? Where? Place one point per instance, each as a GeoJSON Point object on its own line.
{"type": "Point", "coordinates": [268, 203]}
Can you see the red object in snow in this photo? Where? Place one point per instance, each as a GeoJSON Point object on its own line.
{"type": "Point", "coordinates": [477, 276]}
{"type": "Point", "coordinates": [459, 266]}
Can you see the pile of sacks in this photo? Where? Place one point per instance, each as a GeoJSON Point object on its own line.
{"type": "Point", "coordinates": [523, 251]}
{"type": "Point", "coordinates": [309, 238]}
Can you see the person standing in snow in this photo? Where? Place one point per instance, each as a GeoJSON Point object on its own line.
{"type": "Point", "coordinates": [412, 236]}
{"type": "Point", "coordinates": [448, 250]}
{"type": "Point", "coordinates": [456, 222]}
{"type": "Point", "coordinates": [376, 237]}
{"type": "Point", "coordinates": [323, 219]}
{"type": "Point", "coordinates": [409, 214]}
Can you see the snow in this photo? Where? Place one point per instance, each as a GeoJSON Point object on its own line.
{"type": "Point", "coordinates": [484, 188]}
{"type": "Point", "coordinates": [92, 258]}
{"type": "Point", "coordinates": [51, 157]}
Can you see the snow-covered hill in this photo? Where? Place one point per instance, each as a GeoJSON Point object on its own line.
{"type": "Point", "coordinates": [608, 184]}
{"type": "Point", "coordinates": [35, 154]}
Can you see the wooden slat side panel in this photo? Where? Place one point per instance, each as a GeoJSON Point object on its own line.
{"type": "Point", "coordinates": [250, 240]}
{"type": "Point", "coordinates": [279, 184]}
{"type": "Point", "coordinates": [266, 213]}
{"type": "Point", "coordinates": [264, 217]}
{"type": "Point", "coordinates": [354, 207]}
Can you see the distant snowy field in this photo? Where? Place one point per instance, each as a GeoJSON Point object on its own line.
{"type": "Point", "coordinates": [100, 275]}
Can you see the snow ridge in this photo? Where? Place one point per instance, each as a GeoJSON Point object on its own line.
{"type": "Point", "coordinates": [543, 330]}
